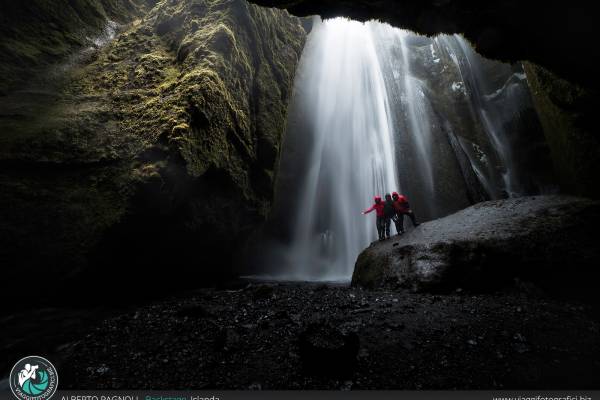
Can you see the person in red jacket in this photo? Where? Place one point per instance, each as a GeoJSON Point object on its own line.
{"type": "Point", "coordinates": [378, 206]}
{"type": "Point", "coordinates": [402, 208]}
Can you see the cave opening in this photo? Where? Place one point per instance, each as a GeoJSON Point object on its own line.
{"type": "Point", "coordinates": [154, 154]}
{"type": "Point", "coordinates": [378, 109]}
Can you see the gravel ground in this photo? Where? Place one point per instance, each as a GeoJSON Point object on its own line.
{"type": "Point", "coordinates": [304, 336]}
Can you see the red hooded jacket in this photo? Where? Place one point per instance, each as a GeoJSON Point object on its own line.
{"type": "Point", "coordinates": [378, 207]}
{"type": "Point", "coordinates": [401, 205]}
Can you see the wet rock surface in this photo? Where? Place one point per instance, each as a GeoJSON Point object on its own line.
{"type": "Point", "coordinates": [567, 114]}
{"type": "Point", "coordinates": [384, 339]}
{"type": "Point", "coordinates": [37, 33]}
{"type": "Point", "coordinates": [548, 240]}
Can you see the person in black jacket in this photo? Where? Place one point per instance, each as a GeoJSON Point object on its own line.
{"type": "Point", "coordinates": [389, 212]}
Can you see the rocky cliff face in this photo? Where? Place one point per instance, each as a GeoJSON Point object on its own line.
{"type": "Point", "coordinates": [153, 150]}
{"type": "Point", "coordinates": [38, 33]}
{"type": "Point", "coordinates": [486, 139]}
{"type": "Point", "coordinates": [567, 113]}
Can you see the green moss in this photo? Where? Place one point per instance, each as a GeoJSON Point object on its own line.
{"type": "Point", "coordinates": [565, 111]}
{"type": "Point", "coordinates": [369, 270]}
{"type": "Point", "coordinates": [37, 33]}
{"type": "Point", "coordinates": [167, 116]}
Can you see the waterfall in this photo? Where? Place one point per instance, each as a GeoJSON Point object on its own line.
{"type": "Point", "coordinates": [494, 108]}
{"type": "Point", "coordinates": [378, 109]}
{"type": "Point", "coordinates": [412, 112]}
{"type": "Point", "coordinates": [349, 149]}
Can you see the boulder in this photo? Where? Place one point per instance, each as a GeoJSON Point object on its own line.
{"type": "Point", "coordinates": [550, 241]}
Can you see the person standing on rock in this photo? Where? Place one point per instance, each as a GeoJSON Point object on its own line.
{"type": "Point", "coordinates": [378, 206]}
{"type": "Point", "coordinates": [402, 208]}
{"type": "Point", "coordinates": [389, 212]}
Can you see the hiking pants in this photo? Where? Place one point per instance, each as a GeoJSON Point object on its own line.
{"type": "Point", "coordinates": [387, 222]}
{"type": "Point", "coordinates": [380, 222]}
{"type": "Point", "coordinates": [399, 221]}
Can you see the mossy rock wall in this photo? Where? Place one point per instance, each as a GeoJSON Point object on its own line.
{"type": "Point", "coordinates": [567, 113]}
{"type": "Point", "coordinates": [153, 158]}
{"type": "Point", "coordinates": [37, 33]}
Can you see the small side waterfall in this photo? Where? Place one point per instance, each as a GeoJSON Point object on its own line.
{"type": "Point", "coordinates": [501, 104]}
{"type": "Point", "coordinates": [377, 109]}
{"type": "Point", "coordinates": [494, 108]}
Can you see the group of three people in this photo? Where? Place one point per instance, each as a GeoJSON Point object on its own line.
{"type": "Point", "coordinates": [394, 208]}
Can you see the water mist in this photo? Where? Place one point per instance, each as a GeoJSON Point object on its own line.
{"type": "Point", "coordinates": [378, 109]}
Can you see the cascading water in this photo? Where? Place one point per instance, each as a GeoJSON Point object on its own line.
{"type": "Point", "coordinates": [351, 155]}
{"type": "Point", "coordinates": [378, 109]}
{"type": "Point", "coordinates": [492, 114]}
{"type": "Point", "coordinates": [412, 111]}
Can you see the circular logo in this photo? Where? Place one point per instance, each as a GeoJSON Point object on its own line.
{"type": "Point", "coordinates": [33, 377]}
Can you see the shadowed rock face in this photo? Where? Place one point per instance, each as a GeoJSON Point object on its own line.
{"type": "Point", "coordinates": [37, 33]}
{"type": "Point", "coordinates": [548, 240]}
{"type": "Point", "coordinates": [568, 116]}
{"type": "Point", "coordinates": [155, 148]}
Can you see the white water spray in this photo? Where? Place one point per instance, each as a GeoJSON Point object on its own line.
{"type": "Point", "coordinates": [351, 155]}
{"type": "Point", "coordinates": [493, 113]}
{"type": "Point", "coordinates": [412, 105]}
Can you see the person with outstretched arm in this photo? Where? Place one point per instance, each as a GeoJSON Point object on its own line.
{"type": "Point", "coordinates": [378, 206]}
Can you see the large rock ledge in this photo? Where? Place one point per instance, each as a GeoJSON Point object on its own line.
{"type": "Point", "coordinates": [550, 241]}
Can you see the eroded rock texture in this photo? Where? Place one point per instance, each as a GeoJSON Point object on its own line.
{"type": "Point", "coordinates": [568, 115]}
{"type": "Point", "coordinates": [548, 240]}
{"type": "Point", "coordinates": [36, 33]}
{"type": "Point", "coordinates": [150, 151]}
